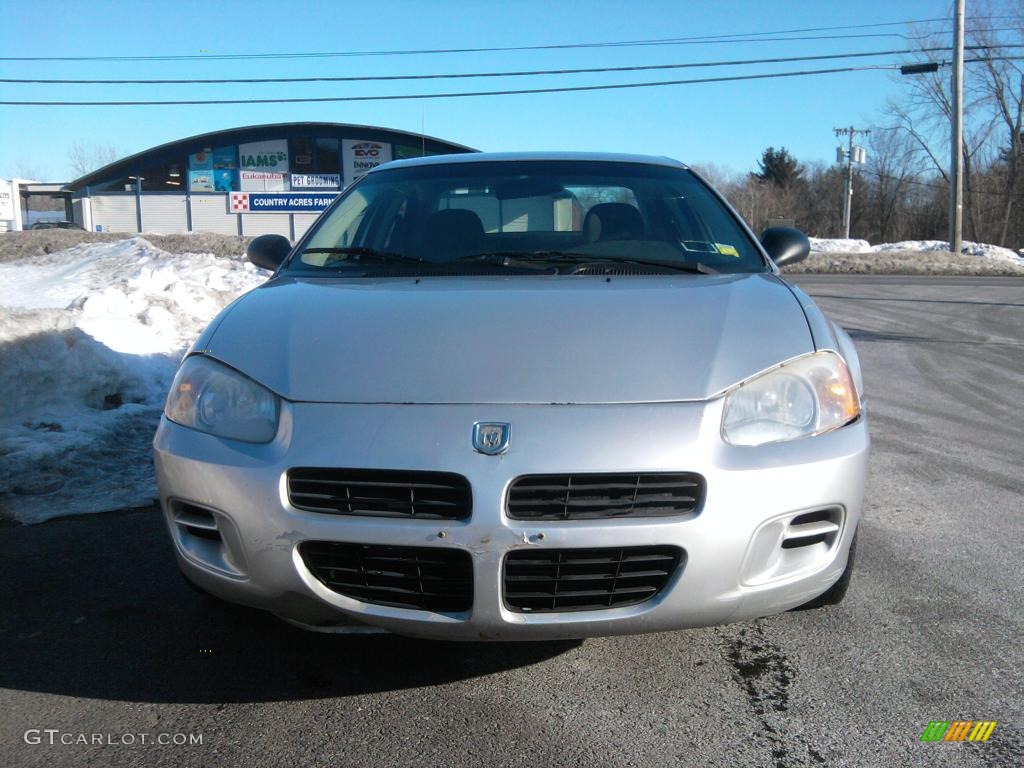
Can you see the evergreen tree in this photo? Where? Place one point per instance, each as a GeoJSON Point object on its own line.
{"type": "Point", "coordinates": [779, 168]}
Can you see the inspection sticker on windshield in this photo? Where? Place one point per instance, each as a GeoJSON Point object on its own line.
{"type": "Point", "coordinates": [727, 250]}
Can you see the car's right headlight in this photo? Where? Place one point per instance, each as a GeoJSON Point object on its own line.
{"type": "Point", "coordinates": [807, 396]}
{"type": "Point", "coordinates": [213, 398]}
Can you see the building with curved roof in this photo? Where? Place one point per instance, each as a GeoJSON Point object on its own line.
{"type": "Point", "coordinates": [255, 180]}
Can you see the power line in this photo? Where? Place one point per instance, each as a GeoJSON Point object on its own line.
{"type": "Point", "coordinates": [397, 97]}
{"type": "Point", "coordinates": [694, 40]}
{"type": "Point", "coordinates": [517, 73]}
{"type": "Point", "coordinates": [467, 94]}
{"type": "Point", "coordinates": [944, 186]}
{"type": "Point", "coordinates": [462, 75]}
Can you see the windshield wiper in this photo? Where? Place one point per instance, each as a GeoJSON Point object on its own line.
{"type": "Point", "coordinates": [516, 258]}
{"type": "Point", "coordinates": [367, 255]}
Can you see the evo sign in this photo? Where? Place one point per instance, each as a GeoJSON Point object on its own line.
{"type": "Point", "coordinates": [359, 156]}
{"type": "Point", "coordinates": [269, 202]}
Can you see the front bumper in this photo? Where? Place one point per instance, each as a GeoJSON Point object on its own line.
{"type": "Point", "coordinates": [734, 566]}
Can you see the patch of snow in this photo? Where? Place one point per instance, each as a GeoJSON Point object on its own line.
{"type": "Point", "coordinates": [90, 338]}
{"type": "Point", "coordinates": [838, 245]}
{"type": "Point", "coordinates": [985, 251]}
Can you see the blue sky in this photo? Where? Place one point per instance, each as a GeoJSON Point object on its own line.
{"type": "Point", "coordinates": [728, 124]}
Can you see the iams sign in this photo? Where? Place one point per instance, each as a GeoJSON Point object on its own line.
{"type": "Point", "coordinates": [270, 160]}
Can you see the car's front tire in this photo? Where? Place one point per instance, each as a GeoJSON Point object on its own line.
{"type": "Point", "coordinates": [834, 595]}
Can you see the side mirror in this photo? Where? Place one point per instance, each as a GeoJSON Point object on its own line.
{"type": "Point", "coordinates": [268, 251]}
{"type": "Point", "coordinates": [785, 245]}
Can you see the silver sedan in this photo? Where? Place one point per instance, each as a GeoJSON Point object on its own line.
{"type": "Point", "coordinates": [513, 397]}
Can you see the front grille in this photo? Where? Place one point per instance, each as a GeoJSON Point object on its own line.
{"type": "Point", "coordinates": [546, 580]}
{"type": "Point", "coordinates": [593, 496]}
{"type": "Point", "coordinates": [380, 493]}
{"type": "Point", "coordinates": [427, 578]}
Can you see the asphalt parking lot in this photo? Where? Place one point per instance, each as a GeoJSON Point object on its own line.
{"type": "Point", "coordinates": [98, 635]}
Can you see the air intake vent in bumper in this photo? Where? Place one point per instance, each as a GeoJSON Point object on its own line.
{"type": "Point", "coordinates": [196, 521]}
{"type": "Point", "coordinates": [426, 578]}
{"type": "Point", "coordinates": [380, 493]}
{"type": "Point", "coordinates": [547, 580]}
{"type": "Point", "coordinates": [812, 528]}
{"type": "Point", "coordinates": [600, 496]}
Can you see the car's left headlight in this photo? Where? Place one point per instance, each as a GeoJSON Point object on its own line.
{"type": "Point", "coordinates": [808, 396]}
{"type": "Point", "coordinates": [213, 398]}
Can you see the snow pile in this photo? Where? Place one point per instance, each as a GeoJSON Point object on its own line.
{"type": "Point", "coordinates": [838, 245]}
{"type": "Point", "coordinates": [90, 338]}
{"type": "Point", "coordinates": [985, 251]}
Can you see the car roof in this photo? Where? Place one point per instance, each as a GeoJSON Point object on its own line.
{"type": "Point", "coordinates": [512, 157]}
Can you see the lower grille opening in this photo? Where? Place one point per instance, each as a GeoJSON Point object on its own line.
{"type": "Point", "coordinates": [423, 578]}
{"type": "Point", "coordinates": [549, 580]}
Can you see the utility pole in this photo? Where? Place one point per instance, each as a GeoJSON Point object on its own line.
{"type": "Point", "coordinates": [956, 180]}
{"type": "Point", "coordinates": [852, 157]}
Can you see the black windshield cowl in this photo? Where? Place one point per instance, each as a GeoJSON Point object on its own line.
{"type": "Point", "coordinates": [360, 255]}
{"type": "Point", "coordinates": [582, 263]}
{"type": "Point", "coordinates": [369, 262]}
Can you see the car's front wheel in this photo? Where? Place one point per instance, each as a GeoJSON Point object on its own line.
{"type": "Point", "coordinates": [834, 594]}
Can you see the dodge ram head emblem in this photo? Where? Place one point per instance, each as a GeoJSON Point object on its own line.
{"type": "Point", "coordinates": [491, 437]}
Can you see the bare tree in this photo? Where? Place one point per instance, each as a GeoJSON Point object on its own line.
{"type": "Point", "coordinates": [993, 113]}
{"type": "Point", "coordinates": [893, 166]}
{"type": "Point", "coordinates": [1002, 83]}
{"type": "Point", "coordinates": [719, 176]}
{"type": "Point", "coordinates": [84, 158]}
{"type": "Point", "coordinates": [26, 170]}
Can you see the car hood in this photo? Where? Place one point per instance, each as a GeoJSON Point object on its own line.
{"type": "Point", "coordinates": [535, 339]}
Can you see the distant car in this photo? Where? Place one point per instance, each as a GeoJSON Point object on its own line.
{"type": "Point", "coordinates": [515, 397]}
{"type": "Point", "coordinates": [57, 225]}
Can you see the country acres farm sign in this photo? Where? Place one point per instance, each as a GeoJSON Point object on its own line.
{"type": "Point", "coordinates": [286, 202]}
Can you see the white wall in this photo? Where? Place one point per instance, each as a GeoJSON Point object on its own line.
{"type": "Point", "coordinates": [115, 213]}
{"type": "Point", "coordinates": [210, 214]}
{"type": "Point", "coordinates": [266, 224]}
{"type": "Point", "coordinates": [304, 221]}
{"type": "Point", "coordinates": [164, 214]}
{"type": "Point", "coordinates": [82, 210]}
{"type": "Point", "coordinates": [168, 213]}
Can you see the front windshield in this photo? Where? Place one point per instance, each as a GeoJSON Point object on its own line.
{"type": "Point", "coordinates": [513, 212]}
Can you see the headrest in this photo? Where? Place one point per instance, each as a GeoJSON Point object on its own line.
{"type": "Point", "coordinates": [452, 232]}
{"type": "Point", "coordinates": [613, 221]}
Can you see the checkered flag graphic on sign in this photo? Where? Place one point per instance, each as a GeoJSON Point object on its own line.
{"type": "Point", "coordinates": [239, 201]}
